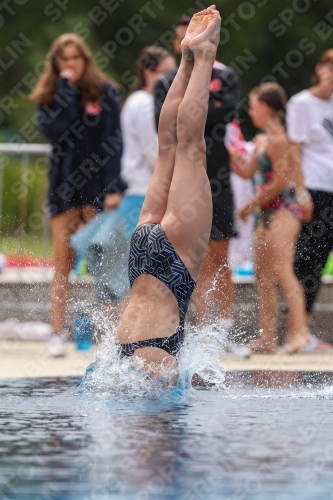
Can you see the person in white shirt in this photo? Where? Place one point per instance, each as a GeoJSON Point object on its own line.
{"type": "Point", "coordinates": [139, 131]}
{"type": "Point", "coordinates": [310, 129]}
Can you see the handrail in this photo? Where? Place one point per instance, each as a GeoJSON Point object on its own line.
{"type": "Point", "coordinates": [23, 148]}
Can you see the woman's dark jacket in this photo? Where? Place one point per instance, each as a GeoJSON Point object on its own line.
{"type": "Point", "coordinates": [86, 147]}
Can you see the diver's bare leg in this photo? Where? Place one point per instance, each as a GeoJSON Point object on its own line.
{"type": "Point", "coordinates": [155, 203]}
{"type": "Point", "coordinates": [188, 217]}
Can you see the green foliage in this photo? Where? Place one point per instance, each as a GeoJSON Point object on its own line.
{"type": "Point", "coordinates": [267, 31]}
{"type": "Point", "coordinates": [28, 245]}
{"type": "Point", "coordinates": [24, 220]}
{"type": "Point", "coordinates": [23, 193]}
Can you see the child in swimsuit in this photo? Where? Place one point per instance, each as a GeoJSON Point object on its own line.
{"type": "Point", "coordinates": [284, 200]}
{"type": "Point", "coordinates": [278, 221]}
{"type": "Point", "coordinates": [171, 238]}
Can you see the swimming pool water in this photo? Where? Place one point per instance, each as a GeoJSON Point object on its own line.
{"type": "Point", "coordinates": [264, 436]}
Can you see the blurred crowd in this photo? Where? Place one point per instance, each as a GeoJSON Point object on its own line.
{"type": "Point", "coordinates": [272, 196]}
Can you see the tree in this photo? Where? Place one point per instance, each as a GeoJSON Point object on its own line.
{"type": "Point", "coordinates": [261, 39]}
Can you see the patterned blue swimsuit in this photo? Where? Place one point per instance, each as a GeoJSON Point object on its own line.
{"type": "Point", "coordinates": [152, 253]}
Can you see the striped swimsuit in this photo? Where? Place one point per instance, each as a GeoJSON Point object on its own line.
{"type": "Point", "coordinates": [152, 253]}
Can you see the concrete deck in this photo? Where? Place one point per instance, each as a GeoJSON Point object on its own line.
{"type": "Point", "coordinates": [20, 359]}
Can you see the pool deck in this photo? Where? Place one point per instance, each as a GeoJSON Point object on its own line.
{"type": "Point", "coordinates": [20, 359]}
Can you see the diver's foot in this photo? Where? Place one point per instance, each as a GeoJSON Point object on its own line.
{"type": "Point", "coordinates": [198, 24]}
{"type": "Point", "coordinates": [195, 27]}
{"type": "Point", "coordinates": [205, 34]}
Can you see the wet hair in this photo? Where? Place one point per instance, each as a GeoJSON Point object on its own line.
{"type": "Point", "coordinates": [326, 57]}
{"type": "Point", "coordinates": [274, 96]}
{"type": "Point", "coordinates": [183, 21]}
{"type": "Point", "coordinates": [90, 84]}
{"type": "Point", "coordinates": [149, 58]}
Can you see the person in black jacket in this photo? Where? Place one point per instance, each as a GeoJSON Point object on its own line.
{"type": "Point", "coordinates": [78, 112]}
{"type": "Point", "coordinates": [223, 100]}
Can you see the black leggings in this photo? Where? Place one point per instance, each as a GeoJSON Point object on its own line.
{"type": "Point", "coordinates": [314, 245]}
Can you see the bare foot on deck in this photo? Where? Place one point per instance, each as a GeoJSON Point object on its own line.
{"type": "Point", "coordinates": [263, 346]}
{"type": "Point", "coordinates": [306, 345]}
{"type": "Point", "coordinates": [295, 342]}
{"type": "Point", "coordinates": [202, 32]}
